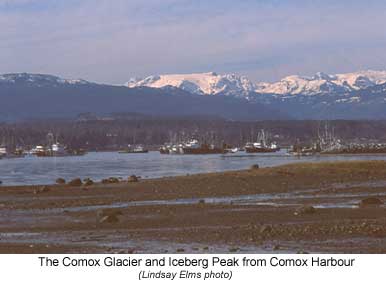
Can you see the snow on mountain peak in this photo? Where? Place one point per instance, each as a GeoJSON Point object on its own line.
{"type": "Point", "coordinates": [322, 83]}
{"type": "Point", "coordinates": [212, 83]}
{"type": "Point", "coordinates": [323, 76]}
{"type": "Point", "coordinates": [38, 79]}
{"type": "Point", "coordinates": [209, 83]}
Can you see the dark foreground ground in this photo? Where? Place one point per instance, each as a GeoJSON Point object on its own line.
{"type": "Point", "coordinates": [252, 211]}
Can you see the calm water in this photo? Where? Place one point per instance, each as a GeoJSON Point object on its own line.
{"type": "Point", "coordinates": [99, 165]}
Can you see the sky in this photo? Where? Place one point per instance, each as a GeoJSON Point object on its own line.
{"type": "Point", "coordinates": [111, 41]}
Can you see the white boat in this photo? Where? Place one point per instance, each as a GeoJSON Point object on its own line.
{"type": "Point", "coordinates": [3, 151]}
{"type": "Point", "coordinates": [37, 150]}
{"type": "Point", "coordinates": [135, 149]}
{"type": "Point", "coordinates": [232, 150]}
{"type": "Point", "coordinates": [261, 146]}
{"type": "Point", "coordinates": [58, 150]}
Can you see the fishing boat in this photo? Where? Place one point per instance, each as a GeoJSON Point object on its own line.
{"type": "Point", "coordinates": [165, 149]}
{"type": "Point", "coordinates": [171, 149]}
{"type": "Point", "coordinates": [355, 148]}
{"type": "Point", "coordinates": [5, 153]}
{"type": "Point", "coordinates": [232, 150]}
{"type": "Point", "coordinates": [56, 150]}
{"type": "Point", "coordinates": [37, 150]}
{"type": "Point", "coordinates": [135, 149]}
{"type": "Point", "coordinates": [328, 143]}
{"type": "Point", "coordinates": [262, 145]}
{"type": "Point", "coordinates": [192, 146]}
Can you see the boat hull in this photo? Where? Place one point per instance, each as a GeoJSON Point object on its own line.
{"type": "Point", "coordinates": [261, 150]}
{"type": "Point", "coordinates": [132, 152]}
{"type": "Point", "coordinates": [203, 151]}
{"type": "Point", "coordinates": [51, 154]}
{"type": "Point", "coordinates": [164, 151]}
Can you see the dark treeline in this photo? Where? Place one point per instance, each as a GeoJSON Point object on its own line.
{"type": "Point", "coordinates": [105, 134]}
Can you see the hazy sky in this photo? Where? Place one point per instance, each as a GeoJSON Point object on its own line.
{"type": "Point", "coordinates": [113, 40]}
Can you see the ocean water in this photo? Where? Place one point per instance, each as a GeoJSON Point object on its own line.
{"type": "Point", "coordinates": [99, 165]}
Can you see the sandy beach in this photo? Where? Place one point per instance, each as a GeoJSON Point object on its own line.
{"type": "Point", "coordinates": [296, 208]}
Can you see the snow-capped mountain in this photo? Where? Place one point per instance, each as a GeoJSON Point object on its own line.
{"type": "Point", "coordinates": [240, 86]}
{"type": "Point", "coordinates": [322, 83]}
{"type": "Point", "coordinates": [358, 95]}
{"type": "Point", "coordinates": [31, 96]}
{"type": "Point", "coordinates": [38, 79]}
{"type": "Point", "coordinates": [209, 83]}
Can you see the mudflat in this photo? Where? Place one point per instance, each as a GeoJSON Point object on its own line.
{"type": "Point", "coordinates": [335, 207]}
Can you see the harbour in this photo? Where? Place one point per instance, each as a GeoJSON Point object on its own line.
{"type": "Point", "coordinates": [31, 170]}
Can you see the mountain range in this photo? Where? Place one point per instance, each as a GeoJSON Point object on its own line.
{"type": "Point", "coordinates": [209, 83]}
{"type": "Point", "coordinates": [357, 95]}
{"type": "Point", "coordinates": [230, 84]}
{"type": "Point", "coordinates": [35, 96]}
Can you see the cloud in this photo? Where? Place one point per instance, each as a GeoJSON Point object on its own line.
{"type": "Point", "coordinates": [110, 41]}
